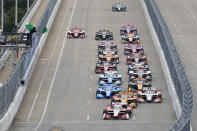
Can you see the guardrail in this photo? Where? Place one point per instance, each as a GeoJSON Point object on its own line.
{"type": "Point", "coordinates": [177, 71]}
{"type": "Point", "coordinates": [10, 88]}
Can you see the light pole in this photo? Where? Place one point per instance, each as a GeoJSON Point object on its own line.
{"type": "Point", "coordinates": [2, 15]}
{"type": "Point", "coordinates": [27, 5]}
{"type": "Point", "coordinates": [16, 13]}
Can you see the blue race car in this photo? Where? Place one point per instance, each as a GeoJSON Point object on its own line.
{"type": "Point", "coordinates": [110, 77]}
{"type": "Point", "coordinates": [107, 91]}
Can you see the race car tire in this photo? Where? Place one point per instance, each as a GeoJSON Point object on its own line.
{"type": "Point", "coordinates": [127, 116]}
{"type": "Point", "coordinates": [96, 38]}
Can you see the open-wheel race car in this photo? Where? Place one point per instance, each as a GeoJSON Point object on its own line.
{"type": "Point", "coordinates": [140, 73]}
{"type": "Point", "coordinates": [126, 29]}
{"type": "Point", "coordinates": [118, 111]}
{"type": "Point", "coordinates": [106, 50]}
{"type": "Point", "coordinates": [119, 7]}
{"type": "Point", "coordinates": [136, 65]}
{"type": "Point", "coordinates": [150, 94]}
{"type": "Point", "coordinates": [130, 38]}
{"type": "Point", "coordinates": [138, 84]}
{"type": "Point", "coordinates": [107, 44]}
{"type": "Point", "coordinates": [104, 35]}
{"type": "Point", "coordinates": [133, 48]}
{"type": "Point", "coordinates": [110, 77]}
{"type": "Point", "coordinates": [105, 66]}
{"type": "Point", "coordinates": [76, 33]}
{"type": "Point", "coordinates": [125, 97]}
{"type": "Point", "coordinates": [109, 57]}
{"type": "Point", "coordinates": [136, 58]}
{"type": "Point", "coordinates": [107, 91]}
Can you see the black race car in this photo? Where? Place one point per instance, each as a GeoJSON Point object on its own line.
{"type": "Point", "coordinates": [104, 35]}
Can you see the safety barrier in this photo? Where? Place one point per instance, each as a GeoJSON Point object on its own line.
{"type": "Point", "coordinates": [12, 92]}
{"type": "Point", "coordinates": [177, 71]}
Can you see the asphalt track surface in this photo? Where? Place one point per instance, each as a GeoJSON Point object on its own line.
{"type": "Point", "coordinates": [62, 90]}
{"type": "Point", "coordinates": [182, 21]}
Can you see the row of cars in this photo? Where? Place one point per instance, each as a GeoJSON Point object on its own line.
{"type": "Point", "coordinates": [110, 80]}
{"type": "Point", "coordinates": [140, 76]}
{"type": "Point", "coordinates": [139, 86]}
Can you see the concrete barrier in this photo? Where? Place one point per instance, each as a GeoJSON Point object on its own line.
{"type": "Point", "coordinates": [27, 19]}
{"type": "Point", "coordinates": [6, 121]}
{"type": "Point", "coordinates": [171, 87]}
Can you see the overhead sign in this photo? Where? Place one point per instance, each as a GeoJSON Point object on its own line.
{"type": "Point", "coordinates": [15, 39]}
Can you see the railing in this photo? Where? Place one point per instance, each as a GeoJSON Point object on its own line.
{"type": "Point", "coordinates": [177, 71]}
{"type": "Point", "coordinates": [8, 91]}
{"type": "Point", "coordinates": [3, 50]}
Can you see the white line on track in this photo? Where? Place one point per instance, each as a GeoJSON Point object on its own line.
{"type": "Point", "coordinates": [89, 102]}
{"type": "Point", "coordinates": [88, 117]}
{"type": "Point", "coordinates": [90, 89]}
{"type": "Point", "coordinates": [45, 72]}
{"type": "Point", "coordinates": [92, 67]}
{"type": "Point", "coordinates": [57, 67]}
{"type": "Point", "coordinates": [91, 77]}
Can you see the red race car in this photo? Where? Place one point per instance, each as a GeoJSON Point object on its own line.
{"type": "Point", "coordinates": [118, 111]}
{"type": "Point", "coordinates": [136, 57]}
{"type": "Point", "coordinates": [101, 67]}
{"type": "Point", "coordinates": [76, 33]}
{"type": "Point", "coordinates": [133, 48]}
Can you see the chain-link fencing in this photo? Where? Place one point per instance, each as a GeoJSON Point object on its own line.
{"type": "Point", "coordinates": [177, 71]}
{"type": "Point", "coordinates": [9, 89]}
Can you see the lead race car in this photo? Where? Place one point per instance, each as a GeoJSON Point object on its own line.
{"type": "Point", "coordinates": [126, 29]}
{"type": "Point", "coordinates": [76, 33]}
{"type": "Point", "coordinates": [119, 7]}
{"type": "Point", "coordinates": [117, 111]}
{"type": "Point", "coordinates": [104, 35]}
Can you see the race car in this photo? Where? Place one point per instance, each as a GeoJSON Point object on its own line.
{"type": "Point", "coordinates": [106, 50]}
{"type": "Point", "coordinates": [136, 58]}
{"type": "Point", "coordinates": [107, 91]}
{"type": "Point", "coordinates": [105, 66]}
{"type": "Point", "coordinates": [104, 35]}
{"type": "Point", "coordinates": [109, 57]}
{"type": "Point", "coordinates": [76, 33]}
{"type": "Point", "coordinates": [133, 48]}
{"type": "Point", "coordinates": [126, 29]}
{"type": "Point", "coordinates": [119, 7]}
{"type": "Point", "coordinates": [118, 111]}
{"type": "Point", "coordinates": [150, 94]}
{"type": "Point", "coordinates": [110, 77]}
{"type": "Point", "coordinates": [137, 65]}
{"type": "Point", "coordinates": [107, 44]}
{"type": "Point", "coordinates": [125, 97]}
{"type": "Point", "coordinates": [138, 84]}
{"type": "Point", "coordinates": [140, 73]}
{"type": "Point", "coordinates": [130, 38]}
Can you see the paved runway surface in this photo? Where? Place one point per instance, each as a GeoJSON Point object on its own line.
{"type": "Point", "coordinates": [63, 87]}
{"type": "Point", "coordinates": [182, 21]}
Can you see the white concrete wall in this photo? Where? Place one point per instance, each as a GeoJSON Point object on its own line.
{"type": "Point", "coordinates": [6, 121]}
{"type": "Point", "coordinates": [171, 87]}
